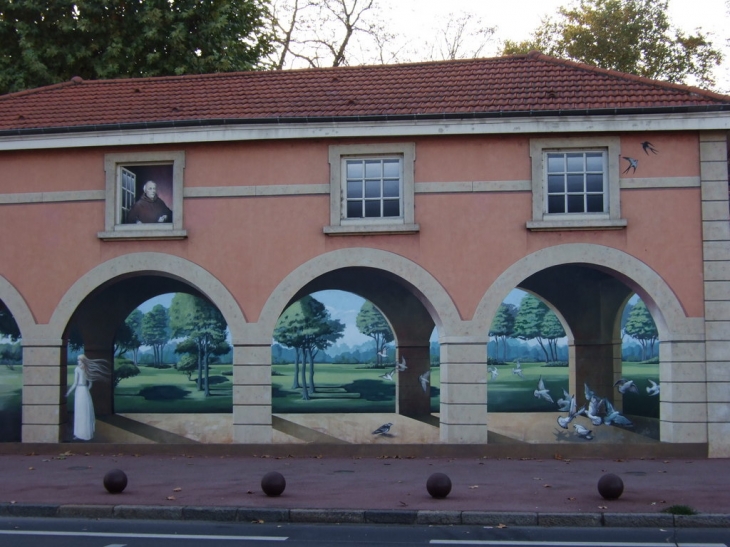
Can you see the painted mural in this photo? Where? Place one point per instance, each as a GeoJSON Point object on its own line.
{"type": "Point", "coordinates": [334, 352]}
{"type": "Point", "coordinates": [333, 355]}
{"type": "Point", "coordinates": [529, 374]}
{"type": "Point", "coordinates": [11, 377]}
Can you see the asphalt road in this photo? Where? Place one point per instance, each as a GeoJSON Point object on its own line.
{"type": "Point", "coordinates": [31, 532]}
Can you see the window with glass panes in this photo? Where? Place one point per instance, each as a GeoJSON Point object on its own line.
{"type": "Point", "coordinates": [373, 187]}
{"type": "Point", "coordinates": [576, 182]}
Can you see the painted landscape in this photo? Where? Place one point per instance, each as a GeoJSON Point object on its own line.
{"type": "Point", "coordinates": [173, 355]}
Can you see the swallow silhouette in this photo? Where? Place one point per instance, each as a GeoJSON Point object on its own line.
{"type": "Point", "coordinates": [633, 164]}
{"type": "Point", "coordinates": [648, 147]}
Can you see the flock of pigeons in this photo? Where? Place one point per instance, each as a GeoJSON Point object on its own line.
{"type": "Point", "coordinates": [598, 410]}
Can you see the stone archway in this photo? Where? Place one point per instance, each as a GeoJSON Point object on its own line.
{"type": "Point", "coordinates": [589, 285]}
{"type": "Point", "coordinates": [96, 304]}
{"type": "Point", "coordinates": [413, 302]}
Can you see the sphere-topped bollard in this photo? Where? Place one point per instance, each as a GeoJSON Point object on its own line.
{"type": "Point", "coordinates": [115, 481]}
{"type": "Point", "coordinates": [273, 483]}
{"type": "Point", "coordinates": [610, 486]}
{"type": "Point", "coordinates": [438, 485]}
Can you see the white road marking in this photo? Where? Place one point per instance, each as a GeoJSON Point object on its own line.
{"type": "Point", "coordinates": [141, 536]}
{"type": "Point", "coordinates": [566, 543]}
{"type": "Point", "coordinates": [116, 545]}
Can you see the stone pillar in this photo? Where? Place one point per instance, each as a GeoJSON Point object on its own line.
{"type": "Point", "coordinates": [44, 391]}
{"type": "Point", "coordinates": [591, 358]}
{"type": "Point", "coordinates": [463, 390]}
{"type": "Point", "coordinates": [716, 256]}
{"type": "Point", "coordinates": [252, 392]}
{"type": "Point", "coordinates": [682, 408]}
{"type": "Point", "coordinates": [411, 399]}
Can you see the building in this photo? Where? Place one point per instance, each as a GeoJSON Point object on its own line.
{"type": "Point", "coordinates": [580, 185]}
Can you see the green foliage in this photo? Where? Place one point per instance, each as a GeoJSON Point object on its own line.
{"type": "Point", "coordinates": [156, 330]}
{"type": "Point", "coordinates": [372, 323]}
{"type": "Point", "coordinates": [8, 326]}
{"type": "Point", "coordinates": [123, 368]}
{"type": "Point", "coordinates": [503, 326]}
{"type": "Point", "coordinates": [49, 42]}
{"type": "Point", "coordinates": [204, 329]}
{"type": "Point", "coordinates": [306, 326]}
{"type": "Point", "coordinates": [679, 510]}
{"type": "Point", "coordinates": [641, 326]}
{"type": "Point", "coordinates": [633, 36]}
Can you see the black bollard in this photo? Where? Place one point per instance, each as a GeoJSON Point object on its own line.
{"type": "Point", "coordinates": [610, 486]}
{"type": "Point", "coordinates": [115, 481]}
{"type": "Point", "coordinates": [273, 483]}
{"type": "Point", "coordinates": [438, 485]}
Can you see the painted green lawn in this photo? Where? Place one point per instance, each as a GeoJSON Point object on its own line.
{"type": "Point", "coordinates": [170, 391]}
{"type": "Point", "coordinates": [510, 393]}
{"type": "Point", "coordinates": [341, 388]}
{"type": "Point", "coordinates": [11, 382]}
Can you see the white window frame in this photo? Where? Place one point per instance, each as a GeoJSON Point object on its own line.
{"type": "Point", "coordinates": [114, 165]}
{"type": "Point", "coordinates": [339, 223]}
{"type": "Point", "coordinates": [606, 220]}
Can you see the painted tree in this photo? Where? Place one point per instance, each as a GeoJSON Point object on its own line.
{"type": "Point", "coordinates": [156, 331]}
{"type": "Point", "coordinates": [372, 323]}
{"type": "Point", "coordinates": [127, 338]}
{"type": "Point", "coordinates": [503, 326]}
{"type": "Point", "coordinates": [633, 36]}
{"type": "Point", "coordinates": [528, 323]}
{"type": "Point", "coordinates": [49, 42]}
{"type": "Point", "coordinates": [8, 326]}
{"type": "Point", "coordinates": [552, 330]}
{"type": "Point", "coordinates": [641, 326]}
{"type": "Point", "coordinates": [124, 370]}
{"type": "Point", "coordinates": [307, 327]}
{"type": "Point", "coordinates": [199, 321]}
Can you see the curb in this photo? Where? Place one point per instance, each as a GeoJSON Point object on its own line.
{"type": "Point", "coordinates": [362, 516]}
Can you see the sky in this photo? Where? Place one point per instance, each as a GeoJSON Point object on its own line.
{"type": "Point", "coordinates": [516, 19]}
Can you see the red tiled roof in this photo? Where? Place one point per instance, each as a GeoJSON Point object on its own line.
{"type": "Point", "coordinates": [514, 85]}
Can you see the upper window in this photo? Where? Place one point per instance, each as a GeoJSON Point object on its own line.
{"type": "Point", "coordinates": [371, 189]}
{"type": "Point", "coordinates": [144, 196]}
{"type": "Point", "coordinates": [575, 184]}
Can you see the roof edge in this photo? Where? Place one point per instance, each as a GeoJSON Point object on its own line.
{"type": "Point", "coordinates": [363, 119]}
{"type": "Point", "coordinates": [538, 55]}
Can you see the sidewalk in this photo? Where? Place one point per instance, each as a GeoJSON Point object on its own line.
{"type": "Point", "coordinates": [487, 491]}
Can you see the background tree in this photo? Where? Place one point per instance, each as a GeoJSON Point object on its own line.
{"type": "Point", "coordinates": [528, 323]}
{"type": "Point", "coordinates": [552, 330]}
{"type": "Point", "coordinates": [633, 36]}
{"type": "Point", "coordinates": [641, 326]}
{"type": "Point", "coordinates": [503, 326]}
{"type": "Point", "coordinates": [317, 33]}
{"type": "Point", "coordinates": [371, 323]}
{"type": "Point", "coordinates": [156, 331]}
{"type": "Point", "coordinates": [49, 42]}
{"type": "Point", "coordinates": [307, 327]}
{"type": "Point", "coordinates": [203, 325]}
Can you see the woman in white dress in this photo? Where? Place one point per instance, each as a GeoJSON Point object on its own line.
{"type": "Point", "coordinates": [87, 371]}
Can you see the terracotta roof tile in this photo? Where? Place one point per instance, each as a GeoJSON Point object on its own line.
{"type": "Point", "coordinates": [524, 84]}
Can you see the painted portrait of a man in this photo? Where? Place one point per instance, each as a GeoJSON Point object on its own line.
{"type": "Point", "coordinates": [146, 190]}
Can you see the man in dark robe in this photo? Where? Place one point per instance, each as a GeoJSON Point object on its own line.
{"type": "Point", "coordinates": [149, 208]}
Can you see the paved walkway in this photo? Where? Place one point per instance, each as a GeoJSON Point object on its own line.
{"type": "Point", "coordinates": [341, 489]}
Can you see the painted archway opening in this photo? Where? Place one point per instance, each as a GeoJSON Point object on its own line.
{"type": "Point", "coordinates": [573, 357]}
{"type": "Point", "coordinates": [171, 354]}
{"type": "Point", "coordinates": [355, 360]}
{"type": "Point", "coordinates": [11, 377]}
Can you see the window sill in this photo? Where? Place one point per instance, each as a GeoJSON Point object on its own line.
{"type": "Point", "coordinates": [136, 235]}
{"type": "Point", "coordinates": [582, 224]}
{"type": "Point", "coordinates": [372, 229]}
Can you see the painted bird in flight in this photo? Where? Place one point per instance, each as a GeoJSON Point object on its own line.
{"type": "Point", "coordinates": [425, 379]}
{"type": "Point", "coordinates": [648, 147]}
{"type": "Point", "coordinates": [633, 164]}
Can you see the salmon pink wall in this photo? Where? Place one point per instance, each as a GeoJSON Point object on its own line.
{"type": "Point", "coordinates": [252, 243]}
